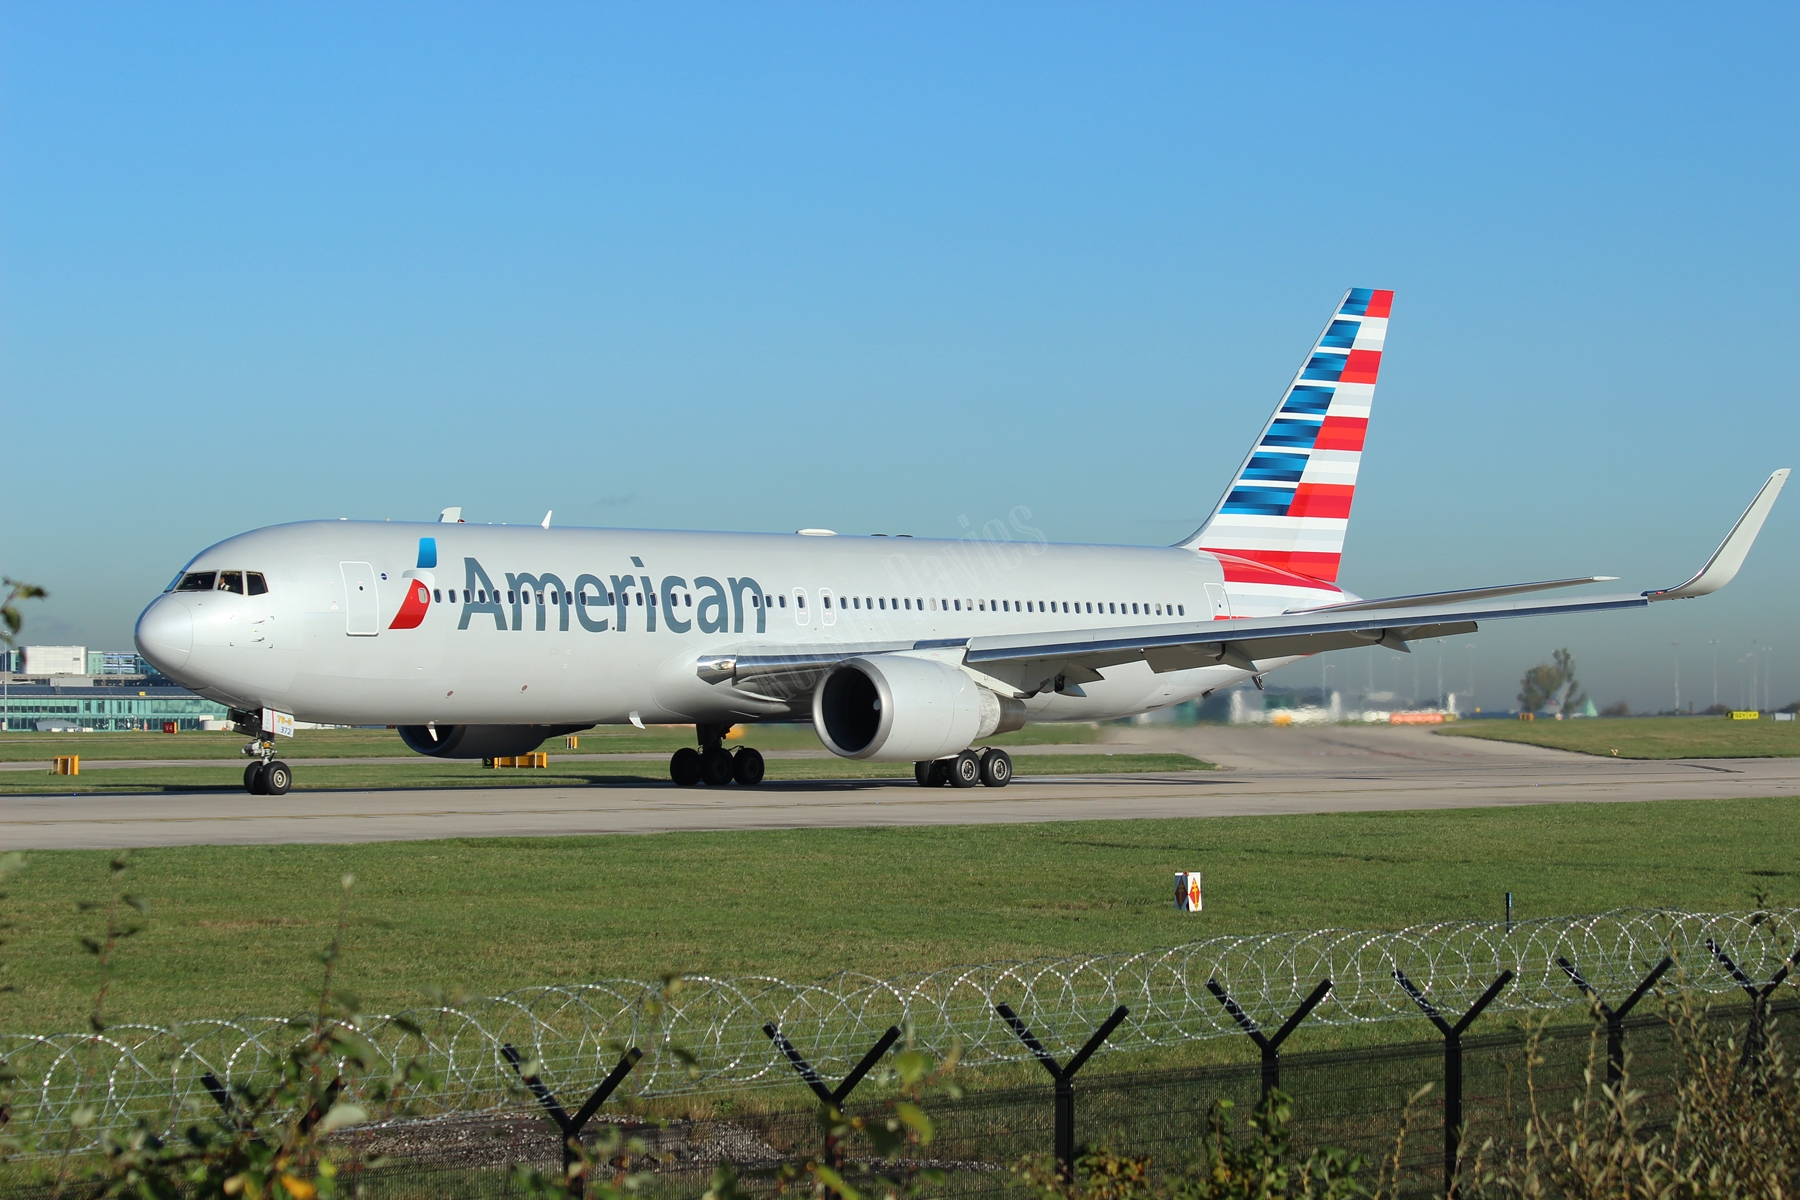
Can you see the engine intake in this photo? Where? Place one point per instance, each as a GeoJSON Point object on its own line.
{"type": "Point", "coordinates": [891, 708]}
{"type": "Point", "coordinates": [479, 741]}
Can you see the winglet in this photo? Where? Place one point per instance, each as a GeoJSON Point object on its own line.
{"type": "Point", "coordinates": [1723, 566]}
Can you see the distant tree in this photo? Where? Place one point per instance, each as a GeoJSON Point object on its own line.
{"type": "Point", "coordinates": [1715, 710]}
{"type": "Point", "coordinates": [1547, 681]}
{"type": "Point", "coordinates": [1620, 709]}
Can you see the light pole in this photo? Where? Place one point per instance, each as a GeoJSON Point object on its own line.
{"type": "Point", "coordinates": [1677, 646]}
{"type": "Point", "coordinates": [1714, 643]}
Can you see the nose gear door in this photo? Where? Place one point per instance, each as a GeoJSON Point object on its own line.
{"type": "Point", "coordinates": [361, 605]}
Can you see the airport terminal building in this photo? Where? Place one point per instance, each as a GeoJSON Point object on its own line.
{"type": "Point", "coordinates": [49, 689]}
{"type": "Point", "coordinates": [40, 707]}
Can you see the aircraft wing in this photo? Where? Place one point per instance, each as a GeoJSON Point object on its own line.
{"type": "Point", "coordinates": [1025, 664]}
{"type": "Point", "coordinates": [1723, 566]}
{"type": "Point", "coordinates": [1036, 663]}
{"type": "Point", "coordinates": [1032, 664]}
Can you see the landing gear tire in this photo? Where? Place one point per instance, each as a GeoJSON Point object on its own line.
{"type": "Point", "coordinates": [277, 778]}
{"type": "Point", "coordinates": [922, 772]}
{"type": "Point", "coordinates": [747, 766]}
{"type": "Point", "coordinates": [965, 770]}
{"type": "Point", "coordinates": [253, 779]}
{"type": "Point", "coordinates": [715, 767]}
{"type": "Point", "coordinates": [684, 766]}
{"type": "Point", "coordinates": [937, 773]}
{"type": "Point", "coordinates": [996, 768]}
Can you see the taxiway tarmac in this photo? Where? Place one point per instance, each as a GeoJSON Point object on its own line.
{"type": "Point", "coordinates": [1263, 771]}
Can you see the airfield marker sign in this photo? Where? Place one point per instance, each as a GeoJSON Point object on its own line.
{"type": "Point", "coordinates": [1188, 897]}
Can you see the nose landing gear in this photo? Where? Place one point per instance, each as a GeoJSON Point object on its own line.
{"type": "Point", "coordinates": [269, 776]}
{"type": "Point", "coordinates": [714, 765]}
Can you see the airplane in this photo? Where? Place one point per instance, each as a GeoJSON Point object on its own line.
{"type": "Point", "coordinates": [477, 641]}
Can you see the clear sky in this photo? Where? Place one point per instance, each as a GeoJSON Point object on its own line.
{"type": "Point", "coordinates": [894, 268]}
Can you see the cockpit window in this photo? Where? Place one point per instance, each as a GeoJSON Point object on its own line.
{"type": "Point", "coordinates": [258, 586]}
{"type": "Point", "coordinates": [231, 581]}
{"type": "Point", "coordinates": [197, 581]}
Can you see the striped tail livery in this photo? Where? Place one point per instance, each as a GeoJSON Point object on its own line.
{"type": "Point", "coordinates": [1279, 529]}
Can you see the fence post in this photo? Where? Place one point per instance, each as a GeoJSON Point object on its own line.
{"type": "Point", "coordinates": [1453, 1065]}
{"type": "Point", "coordinates": [1064, 1076]}
{"type": "Point", "coordinates": [833, 1098]}
{"type": "Point", "coordinates": [571, 1127]}
{"type": "Point", "coordinates": [222, 1097]}
{"type": "Point", "coordinates": [1754, 1038]}
{"type": "Point", "coordinates": [1270, 1046]}
{"type": "Point", "coordinates": [1615, 1018]}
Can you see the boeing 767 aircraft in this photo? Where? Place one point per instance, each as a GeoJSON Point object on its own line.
{"type": "Point", "coordinates": [481, 640]}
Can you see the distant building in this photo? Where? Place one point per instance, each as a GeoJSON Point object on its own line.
{"type": "Point", "coordinates": [45, 661]}
{"type": "Point", "coordinates": [54, 660]}
{"type": "Point", "coordinates": [25, 707]}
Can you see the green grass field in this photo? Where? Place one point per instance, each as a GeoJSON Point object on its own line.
{"type": "Point", "coordinates": [430, 773]}
{"type": "Point", "coordinates": [1646, 737]}
{"type": "Point", "coordinates": [384, 743]}
{"type": "Point", "coordinates": [237, 929]}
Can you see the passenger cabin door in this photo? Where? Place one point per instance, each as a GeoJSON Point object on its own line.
{"type": "Point", "coordinates": [361, 607]}
{"type": "Point", "coordinates": [1217, 601]}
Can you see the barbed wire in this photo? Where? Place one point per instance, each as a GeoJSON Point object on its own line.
{"type": "Point", "coordinates": [704, 1033]}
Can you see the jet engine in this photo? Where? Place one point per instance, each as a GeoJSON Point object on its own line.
{"type": "Point", "coordinates": [479, 741]}
{"type": "Point", "coordinates": [891, 708]}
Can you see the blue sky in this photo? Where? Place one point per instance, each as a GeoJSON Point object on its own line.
{"type": "Point", "coordinates": [888, 268]}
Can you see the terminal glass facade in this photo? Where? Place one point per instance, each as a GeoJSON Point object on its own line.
{"type": "Point", "coordinates": [105, 708]}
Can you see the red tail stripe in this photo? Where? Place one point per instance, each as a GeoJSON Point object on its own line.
{"type": "Point", "coordinates": [1379, 304]}
{"type": "Point", "coordinates": [1341, 433]}
{"type": "Point", "coordinates": [1361, 367]}
{"type": "Point", "coordinates": [1322, 500]}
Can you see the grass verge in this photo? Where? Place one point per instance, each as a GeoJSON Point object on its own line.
{"type": "Point", "coordinates": [1646, 737]}
{"type": "Point", "coordinates": [236, 929]}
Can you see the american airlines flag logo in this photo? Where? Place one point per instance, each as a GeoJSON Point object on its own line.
{"type": "Point", "coordinates": [1289, 506]}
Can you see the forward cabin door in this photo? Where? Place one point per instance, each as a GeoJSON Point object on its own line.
{"type": "Point", "coordinates": [361, 605]}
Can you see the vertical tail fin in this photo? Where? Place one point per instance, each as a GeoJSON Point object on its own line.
{"type": "Point", "coordinates": [1289, 505]}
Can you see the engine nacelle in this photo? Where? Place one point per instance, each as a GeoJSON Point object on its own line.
{"type": "Point", "coordinates": [479, 741]}
{"type": "Point", "coordinates": [891, 708]}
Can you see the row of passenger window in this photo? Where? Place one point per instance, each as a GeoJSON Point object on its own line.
{"type": "Point", "coordinates": [854, 603]}
{"type": "Point", "coordinates": [244, 583]}
{"type": "Point", "coordinates": [1097, 607]}
{"type": "Point", "coordinates": [851, 603]}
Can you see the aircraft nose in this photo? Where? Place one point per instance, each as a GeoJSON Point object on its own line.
{"type": "Point", "coordinates": [165, 634]}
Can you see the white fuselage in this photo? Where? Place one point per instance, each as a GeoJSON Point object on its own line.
{"type": "Point", "coordinates": [598, 626]}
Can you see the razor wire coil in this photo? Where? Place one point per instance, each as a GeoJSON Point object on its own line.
{"type": "Point", "coordinates": [704, 1033]}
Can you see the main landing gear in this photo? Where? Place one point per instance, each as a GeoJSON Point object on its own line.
{"type": "Point", "coordinates": [991, 768]}
{"type": "Point", "coordinates": [269, 776]}
{"type": "Point", "coordinates": [713, 764]}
